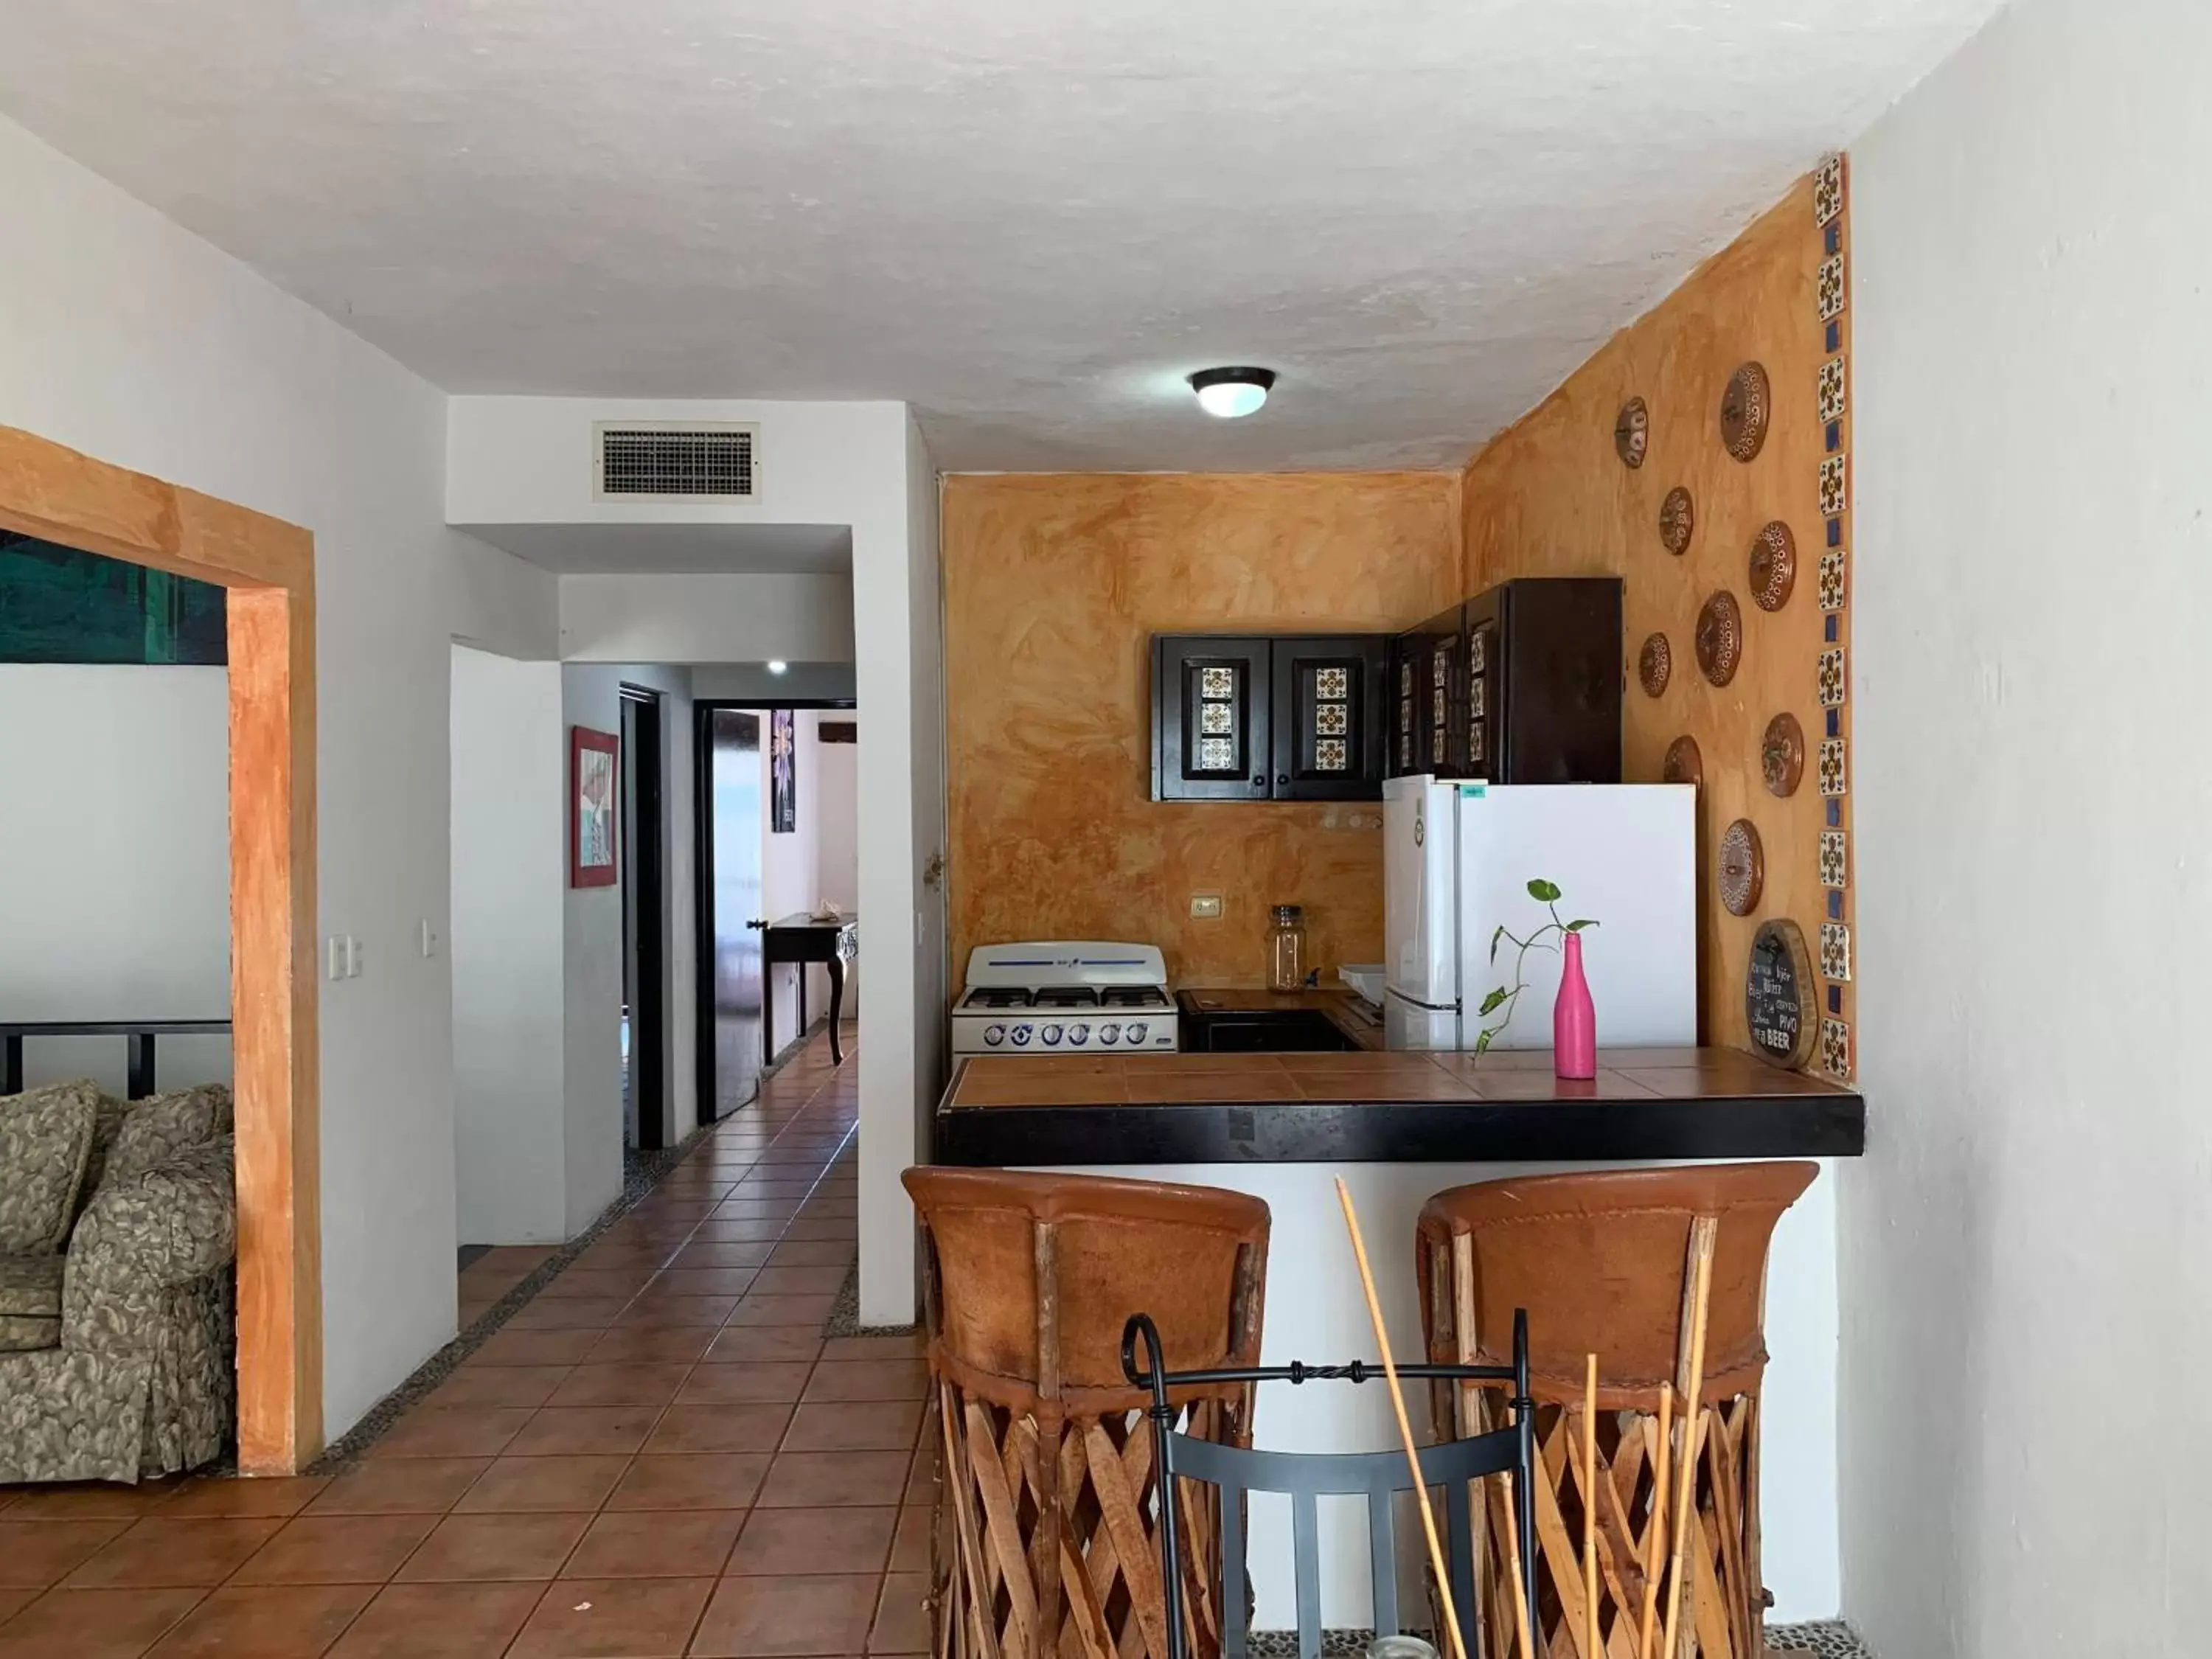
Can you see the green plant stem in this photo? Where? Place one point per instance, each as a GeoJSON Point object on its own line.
{"type": "Point", "coordinates": [1534, 942]}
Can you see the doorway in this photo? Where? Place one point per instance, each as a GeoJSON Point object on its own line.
{"type": "Point", "coordinates": [640, 838]}
{"type": "Point", "coordinates": [268, 567]}
{"type": "Point", "coordinates": [731, 782]}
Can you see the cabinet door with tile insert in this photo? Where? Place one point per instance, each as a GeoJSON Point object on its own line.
{"type": "Point", "coordinates": [1329, 711]}
{"type": "Point", "coordinates": [1210, 708]}
{"type": "Point", "coordinates": [1429, 720]}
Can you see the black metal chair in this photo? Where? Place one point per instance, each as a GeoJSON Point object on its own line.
{"type": "Point", "coordinates": [1304, 1477]}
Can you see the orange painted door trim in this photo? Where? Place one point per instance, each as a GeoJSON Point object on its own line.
{"type": "Point", "coordinates": [268, 566]}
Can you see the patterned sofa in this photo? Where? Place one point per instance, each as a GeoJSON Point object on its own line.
{"type": "Point", "coordinates": [118, 1303]}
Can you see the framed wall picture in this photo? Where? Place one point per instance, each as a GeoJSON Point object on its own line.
{"type": "Point", "coordinates": [592, 793]}
{"type": "Point", "coordinates": [783, 772]}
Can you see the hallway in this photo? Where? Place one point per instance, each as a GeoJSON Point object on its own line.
{"type": "Point", "coordinates": [660, 1455]}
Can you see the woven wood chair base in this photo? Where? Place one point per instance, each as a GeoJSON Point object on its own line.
{"type": "Point", "coordinates": [1723, 1604]}
{"type": "Point", "coordinates": [1052, 1552]}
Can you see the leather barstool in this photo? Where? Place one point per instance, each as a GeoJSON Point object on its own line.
{"type": "Point", "coordinates": [1603, 1263]}
{"type": "Point", "coordinates": [1046, 1545]}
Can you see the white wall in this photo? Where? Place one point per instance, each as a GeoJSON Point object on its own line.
{"type": "Point", "coordinates": [126, 337]}
{"type": "Point", "coordinates": [694, 618]}
{"type": "Point", "coordinates": [752, 683]}
{"type": "Point", "coordinates": [115, 837]}
{"type": "Point", "coordinates": [526, 460]}
{"type": "Point", "coordinates": [2024, 1246]}
{"type": "Point", "coordinates": [592, 969]}
{"type": "Point", "coordinates": [510, 864]}
{"type": "Point", "coordinates": [925, 761]}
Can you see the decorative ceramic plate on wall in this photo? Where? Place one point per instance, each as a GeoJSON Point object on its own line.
{"type": "Point", "coordinates": [1720, 637]}
{"type": "Point", "coordinates": [1654, 664]}
{"type": "Point", "coordinates": [1683, 763]}
{"type": "Point", "coordinates": [1632, 432]}
{"type": "Point", "coordinates": [1781, 756]}
{"type": "Point", "coordinates": [1742, 868]}
{"type": "Point", "coordinates": [1678, 519]}
{"type": "Point", "coordinates": [1773, 565]}
{"type": "Point", "coordinates": [1746, 406]}
{"type": "Point", "coordinates": [1779, 1009]}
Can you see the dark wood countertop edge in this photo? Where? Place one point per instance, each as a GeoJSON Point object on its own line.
{"type": "Point", "coordinates": [1428, 1131]}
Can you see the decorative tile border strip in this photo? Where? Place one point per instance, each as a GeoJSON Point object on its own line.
{"type": "Point", "coordinates": [1838, 1054]}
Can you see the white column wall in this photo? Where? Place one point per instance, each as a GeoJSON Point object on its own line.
{"type": "Point", "coordinates": [510, 863]}
{"type": "Point", "coordinates": [2024, 1248]}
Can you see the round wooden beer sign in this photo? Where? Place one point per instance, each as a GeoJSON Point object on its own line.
{"type": "Point", "coordinates": [1780, 1007]}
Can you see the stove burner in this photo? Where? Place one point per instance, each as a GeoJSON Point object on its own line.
{"type": "Point", "coordinates": [1066, 996]}
{"type": "Point", "coordinates": [1009, 997]}
{"type": "Point", "coordinates": [1132, 996]}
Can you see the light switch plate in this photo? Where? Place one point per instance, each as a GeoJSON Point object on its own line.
{"type": "Point", "coordinates": [335, 957]}
{"type": "Point", "coordinates": [1206, 906]}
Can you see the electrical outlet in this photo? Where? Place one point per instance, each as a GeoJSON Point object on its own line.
{"type": "Point", "coordinates": [356, 956]}
{"type": "Point", "coordinates": [1206, 906]}
{"type": "Point", "coordinates": [430, 938]}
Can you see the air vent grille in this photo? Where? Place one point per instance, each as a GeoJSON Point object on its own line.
{"type": "Point", "coordinates": [701, 458]}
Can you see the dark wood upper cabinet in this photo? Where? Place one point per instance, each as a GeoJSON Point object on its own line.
{"type": "Point", "coordinates": [1252, 717]}
{"type": "Point", "coordinates": [1329, 703]}
{"type": "Point", "coordinates": [1211, 701]}
{"type": "Point", "coordinates": [1521, 685]}
{"type": "Point", "coordinates": [1428, 728]}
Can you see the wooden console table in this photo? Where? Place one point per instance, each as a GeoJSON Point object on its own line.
{"type": "Point", "coordinates": [802, 940]}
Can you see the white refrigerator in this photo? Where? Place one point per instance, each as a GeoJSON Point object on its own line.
{"type": "Point", "coordinates": [1458, 861]}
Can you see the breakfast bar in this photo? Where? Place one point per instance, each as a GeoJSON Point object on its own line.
{"type": "Point", "coordinates": [1400, 1128]}
{"type": "Point", "coordinates": [1644, 1105]}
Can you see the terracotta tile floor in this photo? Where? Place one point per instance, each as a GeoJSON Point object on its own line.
{"type": "Point", "coordinates": [659, 1456]}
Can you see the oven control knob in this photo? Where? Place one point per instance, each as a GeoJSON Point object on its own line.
{"type": "Point", "coordinates": [1109, 1033]}
{"type": "Point", "coordinates": [1021, 1036]}
{"type": "Point", "coordinates": [1051, 1035]}
{"type": "Point", "coordinates": [994, 1035]}
{"type": "Point", "coordinates": [1079, 1035]}
{"type": "Point", "coordinates": [1136, 1030]}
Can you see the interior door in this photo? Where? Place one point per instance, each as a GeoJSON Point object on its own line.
{"type": "Point", "coordinates": [644, 899]}
{"type": "Point", "coordinates": [735, 782]}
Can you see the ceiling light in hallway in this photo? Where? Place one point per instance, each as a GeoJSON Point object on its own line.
{"type": "Point", "coordinates": [778, 666]}
{"type": "Point", "coordinates": [1232, 392]}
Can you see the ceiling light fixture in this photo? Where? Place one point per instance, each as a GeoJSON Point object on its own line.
{"type": "Point", "coordinates": [778, 666]}
{"type": "Point", "coordinates": [1232, 392]}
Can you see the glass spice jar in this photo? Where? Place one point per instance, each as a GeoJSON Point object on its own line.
{"type": "Point", "coordinates": [1287, 949]}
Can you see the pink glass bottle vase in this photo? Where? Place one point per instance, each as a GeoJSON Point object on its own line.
{"type": "Point", "coordinates": [1574, 1018]}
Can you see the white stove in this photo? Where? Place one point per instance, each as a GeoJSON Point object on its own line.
{"type": "Point", "coordinates": [1060, 996]}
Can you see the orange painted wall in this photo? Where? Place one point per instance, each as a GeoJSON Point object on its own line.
{"type": "Point", "coordinates": [1054, 585]}
{"type": "Point", "coordinates": [1550, 496]}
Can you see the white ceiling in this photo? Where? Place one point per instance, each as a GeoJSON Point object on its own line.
{"type": "Point", "coordinates": [677, 549]}
{"type": "Point", "coordinates": [1029, 218]}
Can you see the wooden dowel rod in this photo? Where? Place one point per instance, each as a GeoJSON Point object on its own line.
{"type": "Point", "coordinates": [1521, 1639]}
{"type": "Point", "coordinates": [1686, 1474]}
{"type": "Point", "coordinates": [1589, 1509]}
{"type": "Point", "coordinates": [1654, 1531]}
{"type": "Point", "coordinates": [1405, 1423]}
